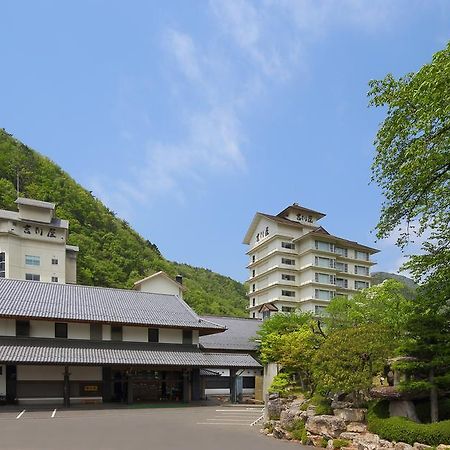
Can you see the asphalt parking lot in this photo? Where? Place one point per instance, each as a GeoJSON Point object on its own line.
{"type": "Point", "coordinates": [196, 428]}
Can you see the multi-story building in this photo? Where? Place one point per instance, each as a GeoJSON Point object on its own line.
{"type": "Point", "coordinates": [295, 264]}
{"type": "Point", "coordinates": [33, 244]}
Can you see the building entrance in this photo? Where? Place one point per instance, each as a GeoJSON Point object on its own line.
{"type": "Point", "coordinates": [155, 385]}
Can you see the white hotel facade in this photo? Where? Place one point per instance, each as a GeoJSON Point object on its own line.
{"type": "Point", "coordinates": [295, 264]}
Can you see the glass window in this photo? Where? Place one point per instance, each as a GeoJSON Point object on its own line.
{"type": "Point", "coordinates": [54, 261]}
{"type": "Point", "coordinates": [253, 258]}
{"type": "Point", "coordinates": [61, 330]}
{"type": "Point", "coordinates": [32, 277]}
{"type": "Point", "coordinates": [289, 245]}
{"type": "Point", "coordinates": [116, 333]}
{"type": "Point", "coordinates": [287, 277]}
{"type": "Point", "coordinates": [253, 273]}
{"type": "Point", "coordinates": [324, 246]}
{"type": "Point", "coordinates": [361, 284]}
{"type": "Point", "coordinates": [322, 294]}
{"type": "Point", "coordinates": [2, 265]}
{"type": "Point", "coordinates": [342, 282]}
{"type": "Point", "coordinates": [253, 287]}
{"type": "Point", "coordinates": [287, 309]}
{"type": "Point", "coordinates": [361, 255]}
{"type": "Point", "coordinates": [265, 314]}
{"type": "Point", "coordinates": [187, 336]}
{"type": "Point", "coordinates": [288, 293]}
{"type": "Point", "coordinates": [324, 278]}
{"type": "Point", "coordinates": [341, 251]}
{"type": "Point", "coordinates": [290, 262]}
{"type": "Point", "coordinates": [324, 262]}
{"type": "Point", "coordinates": [361, 270]}
{"type": "Point", "coordinates": [253, 301]}
{"type": "Point", "coordinates": [23, 328]}
{"type": "Point", "coordinates": [54, 279]}
{"type": "Point", "coordinates": [32, 260]}
{"type": "Point", "coordinates": [342, 267]}
{"type": "Point", "coordinates": [153, 335]}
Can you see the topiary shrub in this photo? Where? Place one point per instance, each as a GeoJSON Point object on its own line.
{"type": "Point", "coordinates": [281, 384]}
{"type": "Point", "coordinates": [400, 429]}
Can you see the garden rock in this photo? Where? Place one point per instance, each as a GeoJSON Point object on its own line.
{"type": "Point", "coordinates": [443, 447]}
{"type": "Point", "coordinates": [419, 446]}
{"type": "Point", "coordinates": [402, 446]}
{"type": "Point", "coordinates": [357, 427]}
{"type": "Point", "coordinates": [279, 433]}
{"type": "Point", "coordinates": [351, 414]}
{"type": "Point", "coordinates": [316, 440]}
{"type": "Point", "coordinates": [403, 408]}
{"type": "Point", "coordinates": [292, 413]}
{"type": "Point", "coordinates": [274, 408]}
{"type": "Point", "coordinates": [367, 441]}
{"type": "Point", "coordinates": [385, 444]}
{"type": "Point", "coordinates": [327, 426]}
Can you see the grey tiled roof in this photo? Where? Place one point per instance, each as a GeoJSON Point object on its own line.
{"type": "Point", "coordinates": [238, 336]}
{"type": "Point", "coordinates": [69, 302]}
{"type": "Point", "coordinates": [79, 352]}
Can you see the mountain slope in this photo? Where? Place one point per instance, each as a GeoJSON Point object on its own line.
{"type": "Point", "coordinates": [112, 254]}
{"type": "Point", "coordinates": [410, 287]}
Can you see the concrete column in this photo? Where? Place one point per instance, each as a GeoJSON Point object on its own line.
{"type": "Point", "coordinates": [233, 386]}
{"type": "Point", "coordinates": [66, 388]}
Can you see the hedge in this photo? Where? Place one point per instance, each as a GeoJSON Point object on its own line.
{"type": "Point", "coordinates": [400, 429]}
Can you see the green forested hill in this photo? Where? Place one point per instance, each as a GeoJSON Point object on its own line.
{"type": "Point", "coordinates": [409, 290]}
{"type": "Point", "coordinates": [111, 254]}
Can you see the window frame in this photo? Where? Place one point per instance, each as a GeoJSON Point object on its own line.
{"type": "Point", "coordinates": [64, 330]}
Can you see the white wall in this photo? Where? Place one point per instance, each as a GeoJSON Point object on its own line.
{"type": "Point", "coordinates": [195, 337]}
{"type": "Point", "coordinates": [106, 331]}
{"type": "Point", "coordinates": [160, 285]}
{"type": "Point", "coordinates": [2, 380]}
{"type": "Point", "coordinates": [78, 331]}
{"type": "Point", "coordinates": [170, 336]}
{"type": "Point", "coordinates": [42, 328]}
{"type": "Point", "coordinates": [56, 373]}
{"type": "Point", "coordinates": [7, 327]}
{"type": "Point", "coordinates": [85, 373]}
{"type": "Point", "coordinates": [135, 334]}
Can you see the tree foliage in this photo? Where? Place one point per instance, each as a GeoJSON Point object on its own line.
{"type": "Point", "coordinates": [412, 162]}
{"type": "Point", "coordinates": [112, 254]}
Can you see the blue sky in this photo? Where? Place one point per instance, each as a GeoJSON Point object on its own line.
{"type": "Point", "coordinates": [187, 117]}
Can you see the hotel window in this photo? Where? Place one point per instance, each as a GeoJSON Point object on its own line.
{"type": "Point", "coordinates": [153, 335]}
{"type": "Point", "coordinates": [287, 309]}
{"type": "Point", "coordinates": [61, 330]}
{"type": "Point", "coordinates": [324, 246]}
{"type": "Point", "coordinates": [253, 273]}
{"type": "Point", "coordinates": [342, 267]}
{"type": "Point", "coordinates": [23, 328]}
{"type": "Point", "coordinates": [361, 255]}
{"type": "Point", "coordinates": [289, 262]}
{"type": "Point", "coordinates": [319, 310]}
{"type": "Point", "coordinates": [54, 261]}
{"type": "Point", "coordinates": [341, 251]}
{"type": "Point", "coordinates": [361, 270]}
{"type": "Point", "coordinates": [96, 332]}
{"type": "Point", "coordinates": [253, 258]}
{"type": "Point", "coordinates": [54, 279]}
{"type": "Point", "coordinates": [288, 293]}
{"type": "Point", "coordinates": [286, 277]}
{"type": "Point", "coordinates": [361, 284]}
{"type": "Point", "coordinates": [253, 301]}
{"type": "Point", "coordinates": [254, 315]}
{"type": "Point", "coordinates": [2, 265]}
{"type": "Point", "coordinates": [324, 278]}
{"type": "Point", "coordinates": [342, 283]}
{"type": "Point", "coordinates": [324, 262]}
{"type": "Point", "coordinates": [288, 245]}
{"type": "Point", "coordinates": [187, 337]}
{"type": "Point", "coordinates": [322, 294]}
{"type": "Point", "coordinates": [253, 287]}
{"type": "Point", "coordinates": [116, 333]}
{"type": "Point", "coordinates": [32, 260]}
{"type": "Point", "coordinates": [32, 277]}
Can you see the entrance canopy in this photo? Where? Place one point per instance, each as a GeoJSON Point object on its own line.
{"type": "Point", "coordinates": [104, 353]}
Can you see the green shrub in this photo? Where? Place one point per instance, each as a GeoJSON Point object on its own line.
{"type": "Point", "coordinates": [268, 426]}
{"type": "Point", "coordinates": [404, 430]}
{"type": "Point", "coordinates": [324, 442]}
{"type": "Point", "coordinates": [322, 404]}
{"type": "Point", "coordinates": [339, 443]}
{"type": "Point", "coordinates": [281, 384]}
{"type": "Point", "coordinates": [298, 431]}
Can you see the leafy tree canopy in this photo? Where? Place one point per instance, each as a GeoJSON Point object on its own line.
{"type": "Point", "coordinates": [412, 162]}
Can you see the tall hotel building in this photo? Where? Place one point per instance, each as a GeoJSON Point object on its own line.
{"type": "Point", "coordinates": [295, 264]}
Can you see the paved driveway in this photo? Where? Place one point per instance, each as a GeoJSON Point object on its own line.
{"type": "Point", "coordinates": [184, 428]}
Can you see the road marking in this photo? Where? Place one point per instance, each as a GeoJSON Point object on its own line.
{"type": "Point", "coordinates": [54, 413]}
{"type": "Point", "coordinates": [224, 423]}
{"type": "Point", "coordinates": [257, 420]}
{"type": "Point", "coordinates": [20, 414]}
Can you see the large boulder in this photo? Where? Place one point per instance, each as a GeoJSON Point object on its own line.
{"type": "Point", "coordinates": [402, 446]}
{"type": "Point", "coordinates": [357, 427]}
{"type": "Point", "coordinates": [367, 441]}
{"type": "Point", "coordinates": [327, 426]}
{"type": "Point", "coordinates": [292, 413]}
{"type": "Point", "coordinates": [351, 414]}
{"type": "Point", "coordinates": [403, 408]}
{"type": "Point", "coordinates": [274, 408]}
{"type": "Point", "coordinates": [419, 446]}
{"type": "Point", "coordinates": [280, 433]}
